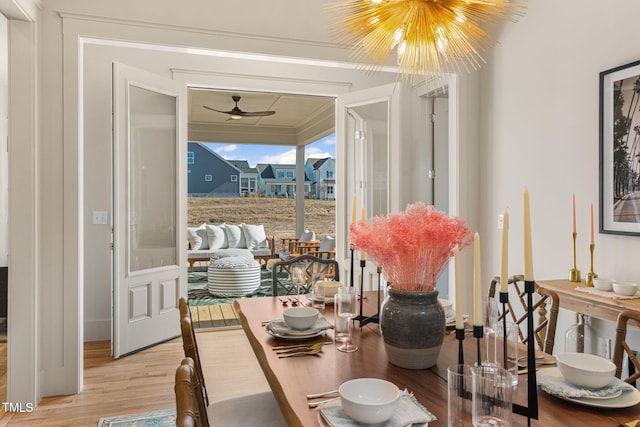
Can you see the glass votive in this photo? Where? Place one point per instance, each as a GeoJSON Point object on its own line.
{"type": "Point", "coordinates": [491, 396]}
{"type": "Point", "coordinates": [459, 395]}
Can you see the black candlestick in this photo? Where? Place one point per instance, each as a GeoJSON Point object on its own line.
{"type": "Point", "coordinates": [460, 338]}
{"type": "Point", "coordinates": [363, 320]}
{"type": "Point", "coordinates": [478, 332]}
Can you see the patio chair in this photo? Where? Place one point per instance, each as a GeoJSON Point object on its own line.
{"type": "Point", "coordinates": [547, 303]}
{"type": "Point", "coordinates": [290, 244]}
{"type": "Point", "coordinates": [281, 273]}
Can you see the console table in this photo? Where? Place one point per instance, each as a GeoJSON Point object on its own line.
{"type": "Point", "coordinates": [589, 304]}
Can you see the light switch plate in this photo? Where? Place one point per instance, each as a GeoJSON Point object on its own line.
{"type": "Point", "coordinates": [100, 217]}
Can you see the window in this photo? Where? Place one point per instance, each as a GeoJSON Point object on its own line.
{"type": "Point", "coordinates": [329, 174]}
{"type": "Point", "coordinates": [329, 190]}
{"type": "Point", "coordinates": [234, 178]}
{"type": "Point", "coordinates": [208, 177]}
{"type": "Point", "coordinates": [281, 174]}
{"type": "Point", "coordinates": [191, 158]}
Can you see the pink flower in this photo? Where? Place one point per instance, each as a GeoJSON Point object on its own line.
{"type": "Point", "coordinates": [413, 246]}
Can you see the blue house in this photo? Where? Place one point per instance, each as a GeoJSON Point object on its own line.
{"type": "Point", "coordinates": [322, 173]}
{"type": "Point", "coordinates": [209, 174]}
{"type": "Point", "coordinates": [279, 180]}
{"type": "Point", "coordinates": [248, 177]}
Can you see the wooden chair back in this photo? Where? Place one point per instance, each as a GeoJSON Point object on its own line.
{"type": "Point", "coordinates": [189, 412]}
{"type": "Point", "coordinates": [190, 347]}
{"type": "Point", "coordinates": [621, 347]}
{"type": "Point", "coordinates": [281, 272]}
{"type": "Point", "coordinates": [545, 308]}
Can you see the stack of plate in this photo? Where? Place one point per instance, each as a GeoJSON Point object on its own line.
{"type": "Point", "coordinates": [617, 394]}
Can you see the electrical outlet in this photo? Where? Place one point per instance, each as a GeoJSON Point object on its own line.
{"type": "Point", "coordinates": [500, 221]}
{"type": "Point", "coordinates": [604, 347]}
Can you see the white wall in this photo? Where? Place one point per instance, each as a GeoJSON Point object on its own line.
{"type": "Point", "coordinates": [539, 130]}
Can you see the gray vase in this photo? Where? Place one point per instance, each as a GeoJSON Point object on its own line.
{"type": "Point", "coordinates": [412, 325]}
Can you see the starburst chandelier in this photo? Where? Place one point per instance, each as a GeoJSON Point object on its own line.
{"type": "Point", "coordinates": [430, 37]}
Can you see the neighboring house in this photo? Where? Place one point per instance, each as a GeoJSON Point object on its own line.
{"type": "Point", "coordinates": [323, 177]}
{"type": "Point", "coordinates": [248, 176]}
{"type": "Point", "coordinates": [209, 174]}
{"type": "Point", "coordinates": [280, 180]}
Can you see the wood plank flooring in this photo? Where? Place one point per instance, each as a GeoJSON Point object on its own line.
{"type": "Point", "coordinates": [143, 382]}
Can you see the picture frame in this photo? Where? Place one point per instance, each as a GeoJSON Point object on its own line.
{"type": "Point", "coordinates": [620, 150]}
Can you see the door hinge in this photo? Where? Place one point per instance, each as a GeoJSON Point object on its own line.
{"type": "Point", "coordinates": [432, 117]}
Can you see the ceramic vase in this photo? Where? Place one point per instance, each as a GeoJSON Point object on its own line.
{"type": "Point", "coordinates": [413, 326]}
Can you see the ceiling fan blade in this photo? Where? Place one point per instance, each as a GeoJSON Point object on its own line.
{"type": "Point", "coordinates": [218, 111]}
{"type": "Point", "coordinates": [256, 113]}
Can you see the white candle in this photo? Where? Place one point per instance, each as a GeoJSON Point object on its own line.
{"type": "Point", "coordinates": [362, 256]}
{"type": "Point", "coordinates": [456, 265]}
{"type": "Point", "coordinates": [591, 240]}
{"type": "Point", "coordinates": [573, 213]}
{"type": "Point", "coordinates": [353, 212]}
{"type": "Point", "coordinates": [477, 282]}
{"type": "Point", "coordinates": [504, 276]}
{"type": "Point", "coordinates": [528, 259]}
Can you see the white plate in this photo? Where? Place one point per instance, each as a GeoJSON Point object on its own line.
{"type": "Point", "coordinates": [624, 400]}
{"type": "Point", "coordinates": [295, 337]}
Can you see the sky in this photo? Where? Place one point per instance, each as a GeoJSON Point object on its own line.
{"type": "Point", "coordinates": [254, 154]}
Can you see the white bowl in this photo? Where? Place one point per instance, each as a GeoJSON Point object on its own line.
{"type": "Point", "coordinates": [330, 288]}
{"type": "Point", "coordinates": [586, 370]}
{"type": "Point", "coordinates": [624, 288]}
{"type": "Point", "coordinates": [602, 284]}
{"type": "Point", "coordinates": [446, 305]}
{"type": "Point", "coordinates": [300, 318]}
{"type": "Point", "coordinates": [369, 400]}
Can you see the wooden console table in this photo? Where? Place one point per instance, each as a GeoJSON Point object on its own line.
{"type": "Point", "coordinates": [586, 303]}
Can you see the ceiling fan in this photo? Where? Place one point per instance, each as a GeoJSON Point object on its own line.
{"type": "Point", "coordinates": [236, 113]}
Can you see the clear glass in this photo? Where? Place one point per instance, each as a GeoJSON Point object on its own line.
{"type": "Point", "coordinates": [318, 291]}
{"type": "Point", "coordinates": [346, 307]}
{"type": "Point", "coordinates": [579, 337]}
{"type": "Point", "coordinates": [507, 342]}
{"type": "Point", "coordinates": [459, 397]}
{"type": "Point", "coordinates": [298, 277]}
{"type": "Point", "coordinates": [491, 396]}
{"type": "Point", "coordinates": [151, 181]}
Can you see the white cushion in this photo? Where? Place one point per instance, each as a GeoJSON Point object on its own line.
{"type": "Point", "coordinates": [217, 237]}
{"type": "Point", "coordinates": [327, 244]}
{"type": "Point", "coordinates": [231, 252]}
{"type": "Point", "coordinates": [254, 236]}
{"type": "Point", "coordinates": [235, 237]}
{"type": "Point", "coordinates": [197, 237]}
{"type": "Point", "coordinates": [307, 236]}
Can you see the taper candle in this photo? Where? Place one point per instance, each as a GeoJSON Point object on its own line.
{"type": "Point", "coordinates": [477, 282]}
{"type": "Point", "coordinates": [528, 259]}
{"type": "Point", "coordinates": [591, 225]}
{"type": "Point", "coordinates": [456, 266]}
{"type": "Point", "coordinates": [504, 277]}
{"type": "Point", "coordinates": [353, 212]}
{"type": "Point", "coordinates": [362, 257]}
{"type": "Point", "coordinates": [573, 213]}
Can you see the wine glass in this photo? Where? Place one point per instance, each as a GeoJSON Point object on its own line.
{"type": "Point", "coordinates": [298, 277]}
{"type": "Point", "coordinates": [346, 306]}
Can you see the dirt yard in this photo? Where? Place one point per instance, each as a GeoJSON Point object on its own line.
{"type": "Point", "coordinates": [277, 215]}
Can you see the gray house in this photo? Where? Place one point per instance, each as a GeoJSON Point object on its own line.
{"type": "Point", "coordinates": [280, 180]}
{"type": "Point", "coordinates": [248, 177]}
{"type": "Point", "coordinates": [209, 174]}
{"type": "Point", "coordinates": [323, 177]}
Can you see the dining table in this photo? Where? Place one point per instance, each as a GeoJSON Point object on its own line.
{"type": "Point", "coordinates": [292, 379]}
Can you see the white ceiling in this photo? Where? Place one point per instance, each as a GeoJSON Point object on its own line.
{"type": "Point", "coordinates": [299, 119]}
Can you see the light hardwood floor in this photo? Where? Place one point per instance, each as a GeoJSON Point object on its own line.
{"type": "Point", "coordinates": [143, 382]}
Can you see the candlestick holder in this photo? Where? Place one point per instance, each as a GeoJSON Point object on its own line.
{"type": "Point", "coordinates": [591, 275]}
{"type": "Point", "coordinates": [478, 332]}
{"type": "Point", "coordinates": [460, 338]}
{"type": "Point", "coordinates": [361, 318]}
{"type": "Point", "coordinates": [574, 273]}
{"type": "Point", "coordinates": [351, 269]}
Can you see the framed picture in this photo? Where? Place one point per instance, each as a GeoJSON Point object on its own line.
{"type": "Point", "coordinates": [620, 150]}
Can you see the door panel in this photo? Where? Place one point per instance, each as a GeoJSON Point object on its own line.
{"type": "Point", "coordinates": [149, 165]}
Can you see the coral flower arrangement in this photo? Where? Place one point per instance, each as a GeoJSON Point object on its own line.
{"type": "Point", "coordinates": [413, 246]}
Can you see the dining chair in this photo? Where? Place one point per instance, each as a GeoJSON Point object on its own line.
{"type": "Point", "coordinates": [230, 412]}
{"type": "Point", "coordinates": [281, 272]}
{"type": "Point", "coordinates": [546, 306]}
{"type": "Point", "coordinates": [187, 411]}
{"type": "Point", "coordinates": [621, 346]}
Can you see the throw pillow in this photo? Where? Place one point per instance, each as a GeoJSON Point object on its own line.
{"type": "Point", "coordinates": [254, 236]}
{"type": "Point", "coordinates": [235, 238]}
{"type": "Point", "coordinates": [197, 237]}
{"type": "Point", "coordinates": [217, 237]}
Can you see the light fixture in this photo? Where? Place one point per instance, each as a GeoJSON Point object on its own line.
{"type": "Point", "coordinates": [430, 37]}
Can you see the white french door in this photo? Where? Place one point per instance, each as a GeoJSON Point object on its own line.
{"type": "Point", "coordinates": [149, 205]}
{"type": "Point", "coordinates": [368, 135]}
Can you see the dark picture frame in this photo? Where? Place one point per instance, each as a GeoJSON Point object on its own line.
{"type": "Point", "coordinates": [620, 150]}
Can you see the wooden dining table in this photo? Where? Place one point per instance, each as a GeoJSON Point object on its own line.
{"type": "Point", "coordinates": [292, 379]}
